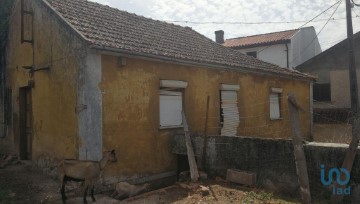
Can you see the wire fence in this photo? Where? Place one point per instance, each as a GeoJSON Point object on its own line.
{"type": "Point", "coordinates": [252, 118]}
{"type": "Point", "coordinates": [276, 168]}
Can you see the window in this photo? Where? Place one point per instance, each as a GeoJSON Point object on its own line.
{"type": "Point", "coordinates": [322, 92]}
{"type": "Point", "coordinates": [171, 103]}
{"type": "Point", "coordinates": [275, 97]}
{"type": "Point", "coordinates": [229, 112]}
{"type": "Point", "coordinates": [252, 54]}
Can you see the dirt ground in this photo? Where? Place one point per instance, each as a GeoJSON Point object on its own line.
{"type": "Point", "coordinates": [21, 184]}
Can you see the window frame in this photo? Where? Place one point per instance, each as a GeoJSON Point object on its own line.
{"type": "Point", "coordinates": [228, 88]}
{"type": "Point", "coordinates": [278, 92]}
{"type": "Point", "coordinates": [171, 86]}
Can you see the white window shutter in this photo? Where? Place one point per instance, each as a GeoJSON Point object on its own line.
{"type": "Point", "coordinates": [230, 113]}
{"type": "Point", "coordinates": [170, 108]}
{"type": "Point", "coordinates": [274, 106]}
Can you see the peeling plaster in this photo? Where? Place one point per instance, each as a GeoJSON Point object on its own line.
{"type": "Point", "coordinates": [89, 109]}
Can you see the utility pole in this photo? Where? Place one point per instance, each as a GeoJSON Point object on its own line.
{"type": "Point", "coordinates": [352, 68]}
{"type": "Point", "coordinates": [351, 153]}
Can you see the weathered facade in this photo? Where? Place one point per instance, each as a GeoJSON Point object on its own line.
{"type": "Point", "coordinates": [53, 95]}
{"type": "Point", "coordinates": [139, 107]}
{"type": "Point", "coordinates": [87, 89]}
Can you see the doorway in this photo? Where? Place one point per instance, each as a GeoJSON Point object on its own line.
{"type": "Point", "coordinates": [25, 122]}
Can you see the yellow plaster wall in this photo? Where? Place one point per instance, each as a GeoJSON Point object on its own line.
{"type": "Point", "coordinates": [131, 109]}
{"type": "Point", "coordinates": [131, 100]}
{"type": "Point", "coordinates": [54, 95]}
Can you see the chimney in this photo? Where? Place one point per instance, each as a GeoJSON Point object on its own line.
{"type": "Point", "coordinates": [219, 36]}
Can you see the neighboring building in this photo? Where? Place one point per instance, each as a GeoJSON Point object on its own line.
{"type": "Point", "coordinates": [331, 91]}
{"type": "Point", "coordinates": [285, 48]}
{"type": "Point", "coordinates": [84, 77]}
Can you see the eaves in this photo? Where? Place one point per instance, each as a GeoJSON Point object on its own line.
{"type": "Point", "coordinates": [221, 67]}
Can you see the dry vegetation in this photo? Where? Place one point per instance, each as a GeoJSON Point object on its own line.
{"type": "Point", "coordinates": [219, 192]}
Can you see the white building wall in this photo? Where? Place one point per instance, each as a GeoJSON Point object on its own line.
{"type": "Point", "coordinates": [304, 45]}
{"type": "Point", "coordinates": [340, 88]}
{"type": "Point", "coordinates": [275, 54]}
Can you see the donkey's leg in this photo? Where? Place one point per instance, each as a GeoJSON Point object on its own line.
{"type": "Point", "coordinates": [92, 191]}
{"type": "Point", "coordinates": [85, 190]}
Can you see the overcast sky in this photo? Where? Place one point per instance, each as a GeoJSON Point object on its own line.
{"type": "Point", "coordinates": [224, 11]}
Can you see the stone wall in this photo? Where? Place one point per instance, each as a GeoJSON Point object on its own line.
{"type": "Point", "coordinates": [272, 160]}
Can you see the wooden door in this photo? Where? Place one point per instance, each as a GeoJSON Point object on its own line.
{"type": "Point", "coordinates": [25, 114]}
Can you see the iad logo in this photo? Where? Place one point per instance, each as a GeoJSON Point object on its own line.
{"type": "Point", "coordinates": [336, 173]}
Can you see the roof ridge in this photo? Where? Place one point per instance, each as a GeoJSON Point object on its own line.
{"type": "Point", "coordinates": [236, 38]}
{"type": "Point", "coordinates": [129, 13]}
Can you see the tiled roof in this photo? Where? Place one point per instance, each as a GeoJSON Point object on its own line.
{"type": "Point", "coordinates": [111, 28]}
{"type": "Point", "coordinates": [261, 40]}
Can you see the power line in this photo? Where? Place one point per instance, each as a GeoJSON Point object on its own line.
{"type": "Point", "coordinates": [357, 16]}
{"type": "Point", "coordinates": [355, 3]}
{"type": "Point", "coordinates": [316, 34]}
{"type": "Point", "coordinates": [288, 35]}
{"type": "Point", "coordinates": [251, 23]}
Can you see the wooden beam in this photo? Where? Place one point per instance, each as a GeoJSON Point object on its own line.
{"type": "Point", "coordinates": [299, 154]}
{"type": "Point", "coordinates": [203, 153]}
{"type": "Point", "coordinates": [194, 174]}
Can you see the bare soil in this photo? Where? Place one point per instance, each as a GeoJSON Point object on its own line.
{"type": "Point", "coordinates": [219, 192]}
{"type": "Point", "coordinates": [21, 184]}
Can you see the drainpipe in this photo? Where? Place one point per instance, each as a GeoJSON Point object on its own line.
{"type": "Point", "coordinates": [287, 55]}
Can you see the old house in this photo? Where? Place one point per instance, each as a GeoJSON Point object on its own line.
{"type": "Point", "coordinates": [285, 48]}
{"type": "Point", "coordinates": [331, 91]}
{"type": "Point", "coordinates": [83, 77]}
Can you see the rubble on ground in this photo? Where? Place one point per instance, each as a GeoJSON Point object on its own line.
{"type": "Point", "coordinates": [6, 160]}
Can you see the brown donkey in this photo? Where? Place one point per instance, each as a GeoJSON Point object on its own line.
{"type": "Point", "coordinates": [83, 171]}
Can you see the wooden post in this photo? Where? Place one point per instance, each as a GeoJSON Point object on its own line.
{"type": "Point", "coordinates": [194, 174]}
{"type": "Point", "coordinates": [299, 154]}
{"type": "Point", "coordinates": [203, 154]}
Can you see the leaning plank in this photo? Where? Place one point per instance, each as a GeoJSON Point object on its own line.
{"type": "Point", "coordinates": [194, 174]}
{"type": "Point", "coordinates": [299, 154]}
{"type": "Point", "coordinates": [203, 152]}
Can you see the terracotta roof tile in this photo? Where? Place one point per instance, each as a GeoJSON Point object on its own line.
{"type": "Point", "coordinates": [260, 40]}
{"type": "Point", "coordinates": [115, 29]}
